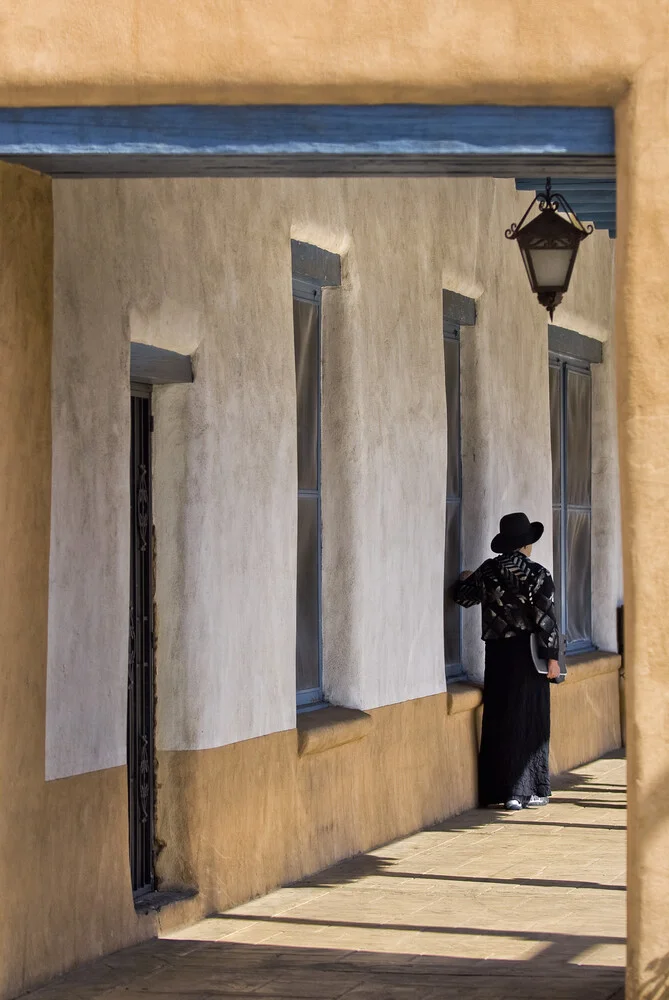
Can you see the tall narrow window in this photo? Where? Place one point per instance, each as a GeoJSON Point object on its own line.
{"type": "Point", "coordinates": [453, 554]}
{"type": "Point", "coordinates": [141, 751]}
{"type": "Point", "coordinates": [307, 328]}
{"type": "Point", "coordinates": [571, 437]}
{"type": "Point", "coordinates": [149, 366]}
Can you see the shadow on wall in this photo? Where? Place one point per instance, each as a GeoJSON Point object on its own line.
{"type": "Point", "coordinates": [657, 980]}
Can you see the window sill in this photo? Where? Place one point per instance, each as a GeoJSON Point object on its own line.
{"type": "Point", "coordinates": [153, 902]}
{"type": "Point", "coordinates": [463, 696]}
{"type": "Point", "coordinates": [581, 666]}
{"type": "Point", "coordinates": [314, 706]}
{"type": "Point", "coordinates": [330, 727]}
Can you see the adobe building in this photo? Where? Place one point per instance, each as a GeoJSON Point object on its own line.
{"type": "Point", "coordinates": [258, 414]}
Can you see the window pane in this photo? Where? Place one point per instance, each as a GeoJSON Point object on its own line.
{"type": "Point", "coordinates": [451, 572]}
{"type": "Point", "coordinates": [557, 564]}
{"type": "Point", "coordinates": [578, 439]}
{"type": "Point", "coordinates": [307, 372]}
{"type": "Point", "coordinates": [452, 361]}
{"type": "Point", "coordinates": [555, 384]}
{"type": "Point", "coordinates": [308, 626]}
{"type": "Point", "coordinates": [579, 625]}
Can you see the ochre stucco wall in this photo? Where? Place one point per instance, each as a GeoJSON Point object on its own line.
{"type": "Point", "coordinates": [517, 51]}
{"type": "Point", "coordinates": [25, 478]}
{"type": "Point", "coordinates": [643, 412]}
{"type": "Point", "coordinates": [57, 841]}
{"type": "Point", "coordinates": [277, 816]}
{"type": "Point", "coordinates": [63, 845]}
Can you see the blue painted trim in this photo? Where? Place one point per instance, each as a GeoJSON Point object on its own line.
{"type": "Point", "coordinates": [309, 290]}
{"type": "Point", "coordinates": [307, 129]}
{"type": "Point", "coordinates": [309, 699]}
{"type": "Point", "coordinates": [604, 204]}
{"type": "Point", "coordinates": [585, 184]}
{"type": "Point", "coordinates": [593, 200]}
{"type": "Point", "coordinates": [303, 708]}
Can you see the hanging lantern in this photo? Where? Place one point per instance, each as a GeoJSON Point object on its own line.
{"type": "Point", "coordinates": [549, 244]}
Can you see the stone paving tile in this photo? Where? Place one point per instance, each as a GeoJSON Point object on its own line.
{"type": "Point", "coordinates": [486, 906]}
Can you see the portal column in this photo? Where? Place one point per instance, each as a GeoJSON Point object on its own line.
{"type": "Point", "coordinates": [25, 495]}
{"type": "Point", "coordinates": [643, 408]}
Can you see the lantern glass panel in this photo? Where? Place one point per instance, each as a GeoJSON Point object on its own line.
{"type": "Point", "coordinates": [551, 267]}
{"type": "Point", "coordinates": [528, 267]}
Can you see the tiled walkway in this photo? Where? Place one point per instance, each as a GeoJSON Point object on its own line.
{"type": "Point", "coordinates": [528, 906]}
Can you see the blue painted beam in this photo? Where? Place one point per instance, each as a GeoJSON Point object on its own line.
{"type": "Point", "coordinates": [571, 183]}
{"type": "Point", "coordinates": [305, 140]}
{"type": "Point", "coordinates": [593, 200]}
{"type": "Point", "coordinates": [576, 195]}
{"type": "Point", "coordinates": [585, 208]}
{"type": "Point", "coordinates": [291, 129]}
{"type": "Point", "coordinates": [585, 211]}
{"type": "Point", "coordinates": [585, 198]}
{"type": "Point", "coordinates": [605, 208]}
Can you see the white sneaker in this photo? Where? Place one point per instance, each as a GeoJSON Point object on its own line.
{"type": "Point", "coordinates": [536, 801]}
{"type": "Point", "coordinates": [513, 805]}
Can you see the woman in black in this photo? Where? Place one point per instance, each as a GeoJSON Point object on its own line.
{"type": "Point", "coordinates": [517, 598]}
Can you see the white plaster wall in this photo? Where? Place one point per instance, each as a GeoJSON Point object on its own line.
{"type": "Point", "coordinates": [505, 408]}
{"type": "Point", "coordinates": [89, 575]}
{"type": "Point", "coordinates": [204, 266]}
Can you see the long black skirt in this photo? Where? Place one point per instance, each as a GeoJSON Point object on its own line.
{"type": "Point", "coordinates": [513, 760]}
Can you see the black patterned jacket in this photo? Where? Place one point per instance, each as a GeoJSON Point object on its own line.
{"type": "Point", "coordinates": [516, 595]}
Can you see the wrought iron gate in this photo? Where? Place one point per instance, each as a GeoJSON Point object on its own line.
{"type": "Point", "coordinates": [140, 648]}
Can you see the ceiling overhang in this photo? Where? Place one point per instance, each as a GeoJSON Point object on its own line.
{"type": "Point", "coordinates": [310, 141]}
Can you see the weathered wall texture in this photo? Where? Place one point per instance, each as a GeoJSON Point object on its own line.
{"type": "Point", "coordinates": [64, 842]}
{"type": "Point", "coordinates": [204, 266]}
{"type": "Point", "coordinates": [90, 539]}
{"type": "Point", "coordinates": [145, 52]}
{"type": "Point", "coordinates": [277, 816]}
{"type": "Point", "coordinates": [585, 711]}
{"type": "Point", "coordinates": [594, 52]}
{"type": "Point", "coordinates": [25, 467]}
{"type": "Point", "coordinates": [643, 377]}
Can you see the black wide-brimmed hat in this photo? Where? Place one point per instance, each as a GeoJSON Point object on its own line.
{"type": "Point", "coordinates": [515, 532]}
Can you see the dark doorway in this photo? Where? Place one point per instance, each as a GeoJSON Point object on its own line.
{"type": "Point", "coordinates": [140, 647]}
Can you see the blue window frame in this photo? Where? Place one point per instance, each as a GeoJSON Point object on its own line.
{"type": "Point", "coordinates": [309, 643]}
{"type": "Point", "coordinates": [453, 547]}
{"type": "Point", "coordinates": [571, 451]}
